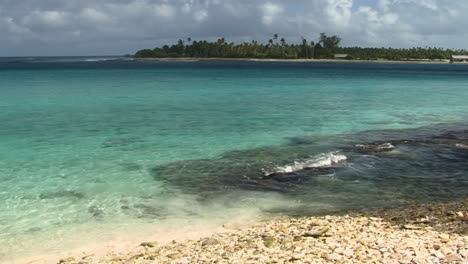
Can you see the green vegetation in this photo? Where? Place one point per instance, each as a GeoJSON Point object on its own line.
{"type": "Point", "coordinates": [278, 48]}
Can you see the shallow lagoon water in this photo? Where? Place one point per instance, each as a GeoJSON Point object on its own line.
{"type": "Point", "coordinates": [98, 146]}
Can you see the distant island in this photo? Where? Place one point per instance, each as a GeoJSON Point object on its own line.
{"type": "Point", "coordinates": [327, 47]}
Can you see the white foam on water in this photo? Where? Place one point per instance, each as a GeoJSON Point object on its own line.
{"type": "Point", "coordinates": [99, 59]}
{"type": "Point", "coordinates": [319, 161]}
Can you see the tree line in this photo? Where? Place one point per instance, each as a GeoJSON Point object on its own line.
{"type": "Point", "coordinates": [277, 48]}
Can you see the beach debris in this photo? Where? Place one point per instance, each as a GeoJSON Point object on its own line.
{"type": "Point", "coordinates": [444, 238]}
{"type": "Point", "coordinates": [333, 257]}
{"type": "Point", "coordinates": [412, 227]}
{"type": "Point", "coordinates": [149, 244]}
{"type": "Point", "coordinates": [453, 258]}
{"type": "Point", "coordinates": [297, 257]}
{"type": "Point", "coordinates": [67, 260]}
{"type": "Point", "coordinates": [269, 241]}
{"type": "Point", "coordinates": [439, 254]}
{"type": "Point", "coordinates": [174, 256]}
{"type": "Point", "coordinates": [209, 241]}
{"type": "Point", "coordinates": [316, 233]}
{"type": "Point", "coordinates": [423, 221]}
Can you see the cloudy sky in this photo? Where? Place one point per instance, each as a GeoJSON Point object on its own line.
{"type": "Point", "coordinates": [107, 27]}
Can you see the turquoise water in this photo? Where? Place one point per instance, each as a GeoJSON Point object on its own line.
{"type": "Point", "coordinates": [89, 145]}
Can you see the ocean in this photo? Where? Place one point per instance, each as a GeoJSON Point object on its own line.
{"type": "Point", "coordinates": [97, 148]}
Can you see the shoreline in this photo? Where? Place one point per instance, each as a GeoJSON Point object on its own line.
{"type": "Point", "coordinates": [190, 59]}
{"type": "Point", "coordinates": [119, 241]}
{"type": "Point", "coordinates": [434, 232]}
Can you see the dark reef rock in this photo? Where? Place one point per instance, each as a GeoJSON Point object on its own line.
{"type": "Point", "coordinates": [447, 136]}
{"type": "Point", "coordinates": [299, 176]}
{"type": "Point", "coordinates": [427, 158]}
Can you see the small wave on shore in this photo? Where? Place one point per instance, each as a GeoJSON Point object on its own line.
{"type": "Point", "coordinates": [319, 161]}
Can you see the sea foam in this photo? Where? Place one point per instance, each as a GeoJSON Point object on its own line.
{"type": "Point", "coordinates": [319, 161]}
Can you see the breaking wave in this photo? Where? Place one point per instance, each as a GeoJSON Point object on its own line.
{"type": "Point", "coordinates": [319, 161]}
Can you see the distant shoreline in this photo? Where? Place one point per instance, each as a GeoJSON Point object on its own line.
{"type": "Point", "coordinates": [191, 59]}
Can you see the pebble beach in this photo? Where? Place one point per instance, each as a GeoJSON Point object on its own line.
{"type": "Point", "coordinates": [419, 233]}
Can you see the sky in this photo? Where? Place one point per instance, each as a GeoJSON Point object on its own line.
{"type": "Point", "coordinates": [117, 27]}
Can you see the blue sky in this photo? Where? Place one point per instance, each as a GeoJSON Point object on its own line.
{"type": "Point", "coordinates": [105, 27]}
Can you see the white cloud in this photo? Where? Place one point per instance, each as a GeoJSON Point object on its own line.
{"type": "Point", "coordinates": [125, 26]}
{"type": "Point", "coordinates": [270, 12]}
{"type": "Point", "coordinates": [46, 19]}
{"type": "Point", "coordinates": [163, 10]}
{"type": "Point", "coordinates": [13, 27]}
{"type": "Point", "coordinates": [200, 15]}
{"type": "Point", "coordinates": [339, 12]}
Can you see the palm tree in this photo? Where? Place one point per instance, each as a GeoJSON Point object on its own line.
{"type": "Point", "coordinates": [305, 48]}
{"type": "Point", "coordinates": [329, 42]}
{"type": "Point", "coordinates": [312, 47]}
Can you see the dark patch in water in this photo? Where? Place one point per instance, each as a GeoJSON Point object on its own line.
{"type": "Point", "coordinates": [427, 163]}
{"type": "Point", "coordinates": [33, 229]}
{"type": "Point", "coordinates": [149, 211]}
{"type": "Point", "coordinates": [96, 211]}
{"type": "Point", "coordinates": [62, 194]}
{"type": "Point", "coordinates": [299, 176]}
{"type": "Point", "coordinates": [131, 166]}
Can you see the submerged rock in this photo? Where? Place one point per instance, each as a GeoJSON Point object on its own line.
{"type": "Point", "coordinates": [299, 176]}
{"type": "Point", "coordinates": [295, 169]}
{"type": "Point", "coordinates": [447, 136]}
{"type": "Point", "coordinates": [96, 211]}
